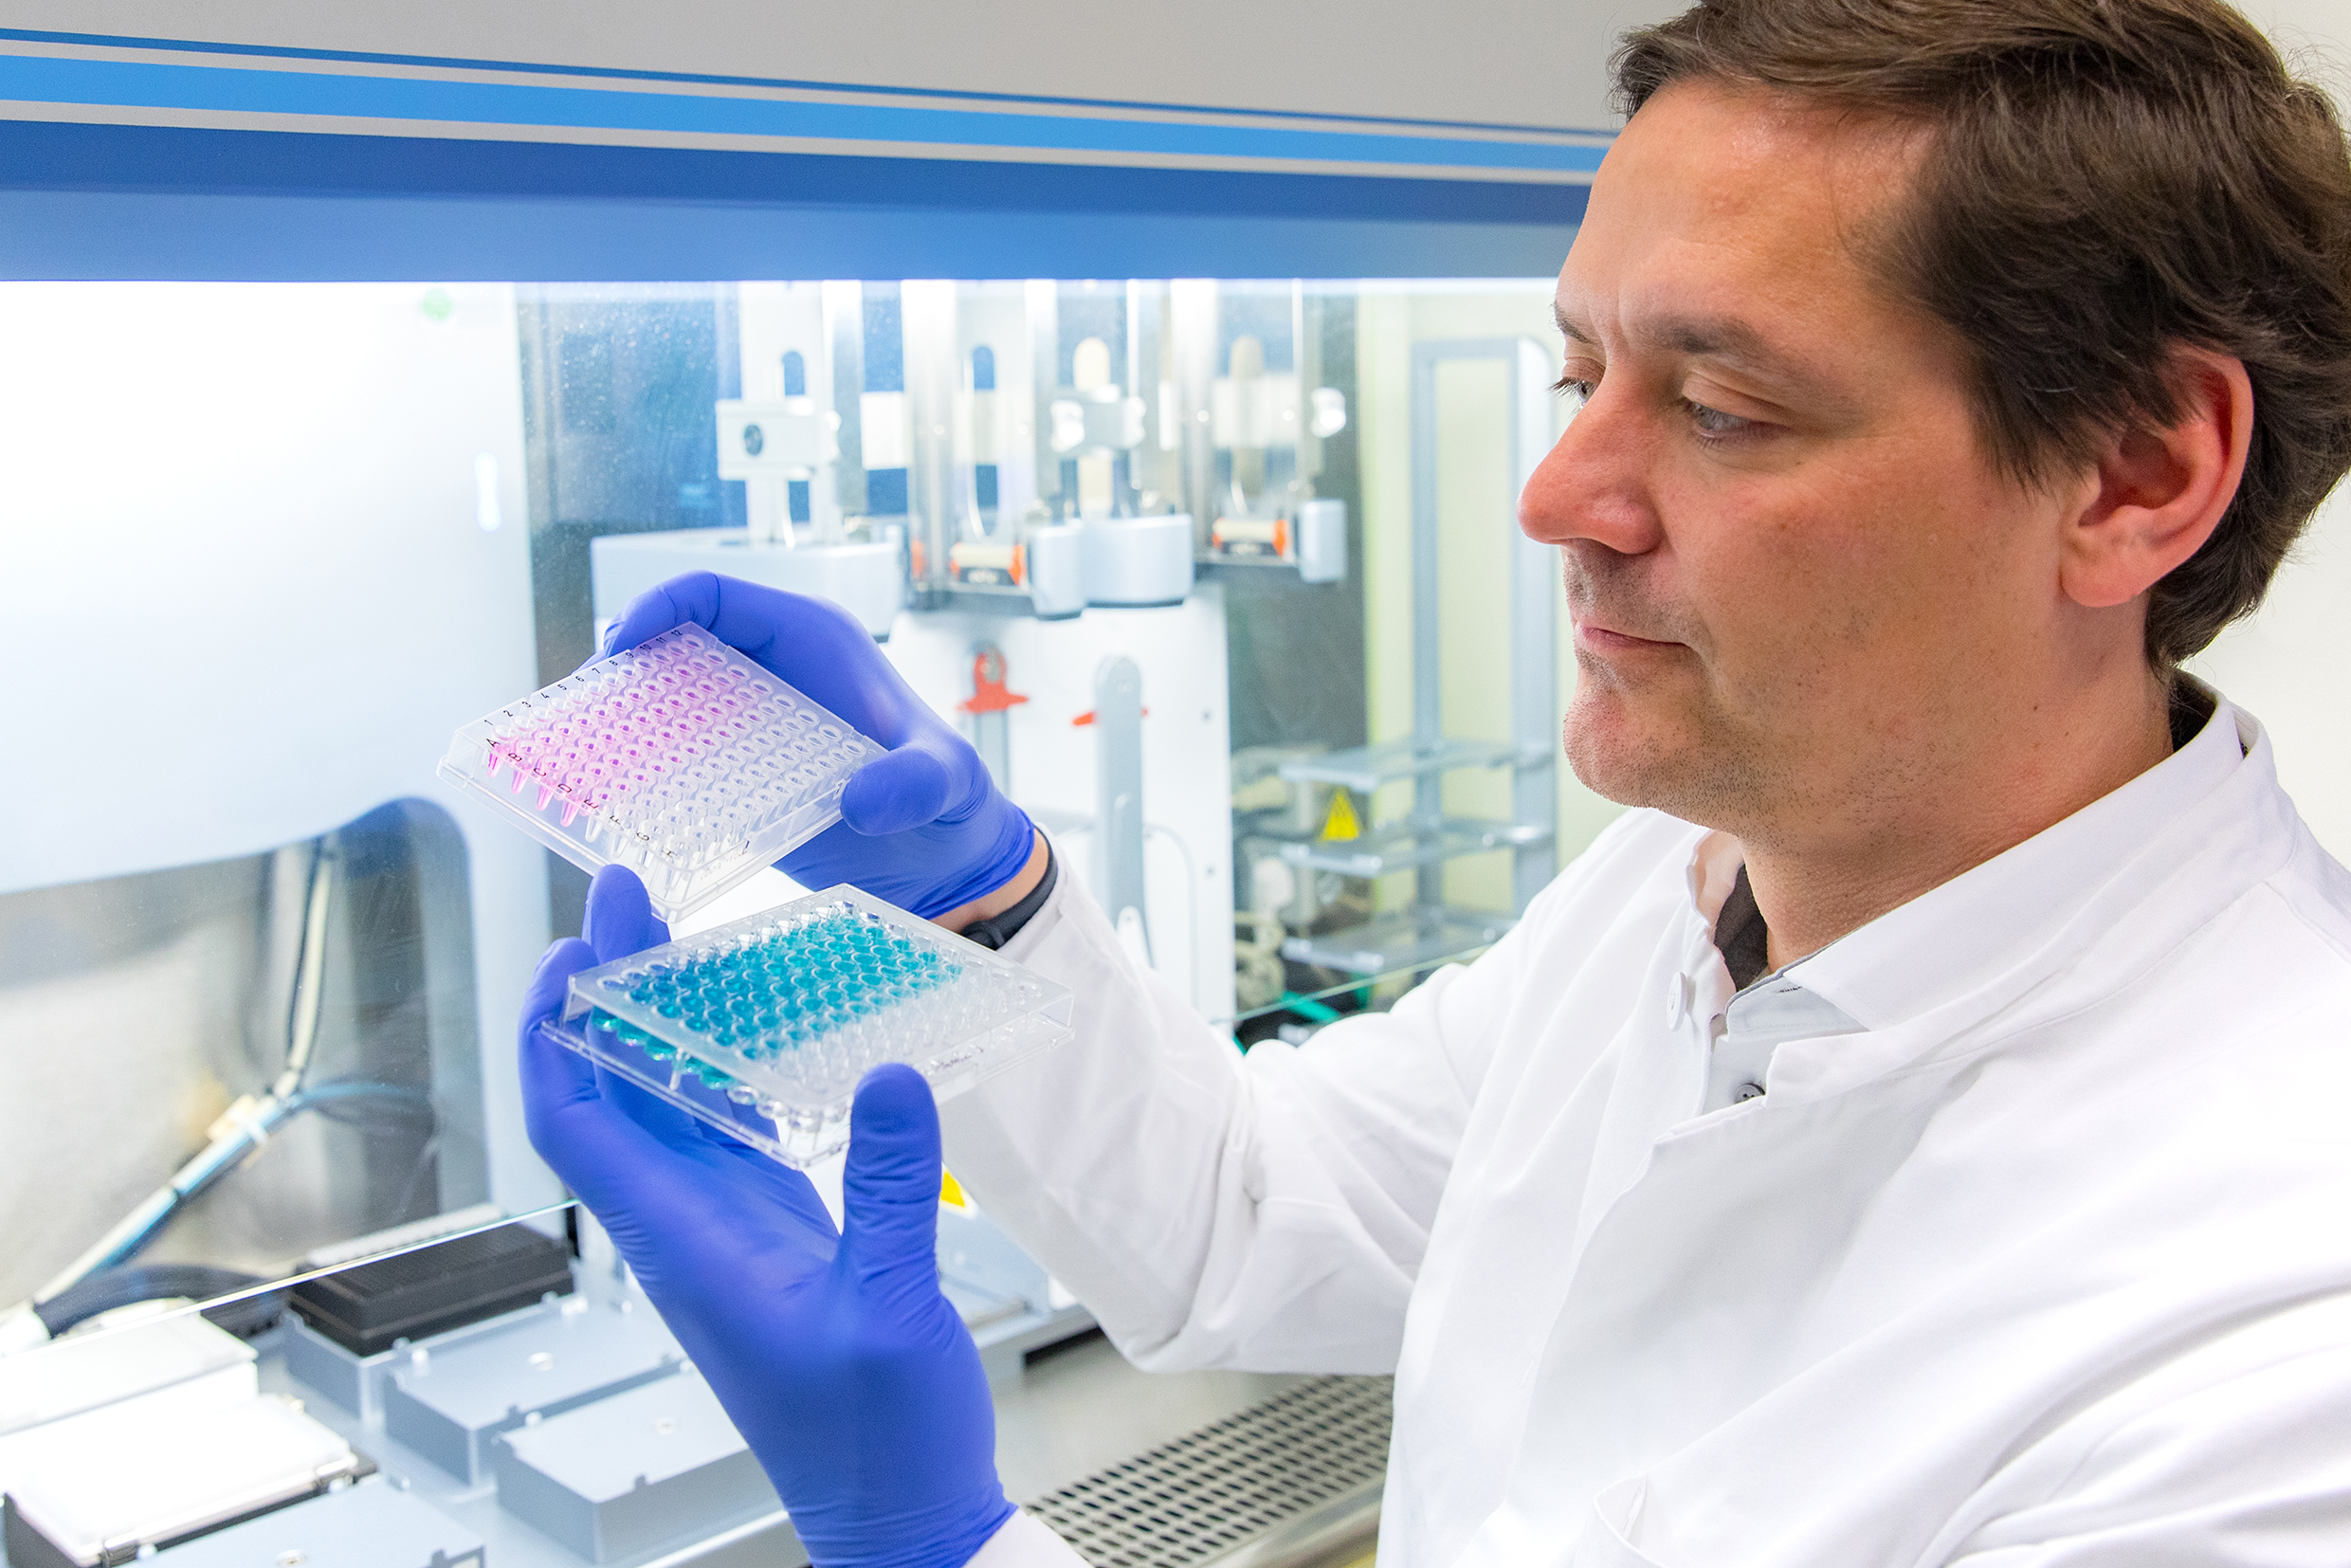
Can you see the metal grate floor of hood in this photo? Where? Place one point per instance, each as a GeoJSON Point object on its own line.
{"type": "Point", "coordinates": [1292, 1481]}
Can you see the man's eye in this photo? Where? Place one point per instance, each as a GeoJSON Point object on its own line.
{"type": "Point", "coordinates": [1714, 422]}
{"type": "Point", "coordinates": [1576, 392]}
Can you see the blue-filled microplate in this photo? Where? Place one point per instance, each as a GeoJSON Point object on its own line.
{"type": "Point", "coordinates": [681, 760]}
{"type": "Point", "coordinates": [764, 1026]}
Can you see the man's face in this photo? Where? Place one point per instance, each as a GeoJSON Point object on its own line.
{"type": "Point", "coordinates": [1794, 575]}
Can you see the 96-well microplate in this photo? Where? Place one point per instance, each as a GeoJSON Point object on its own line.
{"type": "Point", "coordinates": [679, 758]}
{"type": "Point", "coordinates": [764, 1026]}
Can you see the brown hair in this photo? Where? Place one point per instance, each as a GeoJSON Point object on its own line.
{"type": "Point", "coordinates": [2107, 180]}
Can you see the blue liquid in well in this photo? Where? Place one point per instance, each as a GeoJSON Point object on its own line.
{"type": "Point", "coordinates": [785, 992]}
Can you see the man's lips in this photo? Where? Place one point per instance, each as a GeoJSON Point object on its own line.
{"type": "Point", "coordinates": [1602, 639]}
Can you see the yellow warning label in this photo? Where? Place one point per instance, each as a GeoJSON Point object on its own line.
{"type": "Point", "coordinates": [951, 1191]}
{"type": "Point", "coordinates": [1340, 825]}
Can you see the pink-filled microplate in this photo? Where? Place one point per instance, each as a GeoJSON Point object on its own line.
{"type": "Point", "coordinates": [681, 760]}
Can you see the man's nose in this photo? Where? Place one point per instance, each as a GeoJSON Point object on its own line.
{"type": "Point", "coordinates": [1595, 482]}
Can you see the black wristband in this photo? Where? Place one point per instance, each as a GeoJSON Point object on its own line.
{"type": "Point", "coordinates": [996, 930]}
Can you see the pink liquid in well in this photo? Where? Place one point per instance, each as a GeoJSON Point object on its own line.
{"type": "Point", "coordinates": [617, 750]}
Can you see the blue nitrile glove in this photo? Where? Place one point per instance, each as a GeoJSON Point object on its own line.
{"type": "Point", "coordinates": [847, 1371]}
{"type": "Point", "coordinates": [924, 827]}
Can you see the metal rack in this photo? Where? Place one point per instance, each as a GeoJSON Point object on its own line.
{"type": "Point", "coordinates": [1426, 839]}
{"type": "Point", "coordinates": [1406, 846]}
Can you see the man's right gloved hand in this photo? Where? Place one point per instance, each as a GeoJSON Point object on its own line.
{"type": "Point", "coordinates": [835, 1352]}
{"type": "Point", "coordinates": [925, 828]}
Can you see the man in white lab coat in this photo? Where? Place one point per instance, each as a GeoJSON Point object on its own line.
{"type": "Point", "coordinates": [1920, 1133]}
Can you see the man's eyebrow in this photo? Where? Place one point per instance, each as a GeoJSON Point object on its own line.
{"type": "Point", "coordinates": [1734, 343]}
{"type": "Point", "coordinates": [1714, 338]}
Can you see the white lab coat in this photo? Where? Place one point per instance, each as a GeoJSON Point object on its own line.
{"type": "Point", "coordinates": [2049, 1265]}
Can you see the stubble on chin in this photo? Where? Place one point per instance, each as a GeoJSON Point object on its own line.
{"type": "Point", "coordinates": [1631, 748]}
{"type": "Point", "coordinates": [1653, 739]}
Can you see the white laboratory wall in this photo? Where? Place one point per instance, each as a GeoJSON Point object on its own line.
{"type": "Point", "coordinates": [2285, 667]}
{"type": "Point", "coordinates": [2315, 36]}
{"type": "Point", "coordinates": [1517, 62]}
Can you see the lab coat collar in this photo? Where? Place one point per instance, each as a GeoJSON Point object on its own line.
{"type": "Point", "coordinates": [1944, 943]}
{"type": "Point", "coordinates": [1985, 954]}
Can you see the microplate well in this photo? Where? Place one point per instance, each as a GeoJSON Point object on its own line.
{"type": "Point", "coordinates": [764, 1026]}
{"type": "Point", "coordinates": [679, 758]}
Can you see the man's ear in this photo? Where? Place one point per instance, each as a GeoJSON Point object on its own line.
{"type": "Point", "coordinates": [2160, 493]}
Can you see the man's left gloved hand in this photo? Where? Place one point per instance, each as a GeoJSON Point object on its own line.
{"type": "Point", "coordinates": [844, 1367]}
{"type": "Point", "coordinates": [924, 826]}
